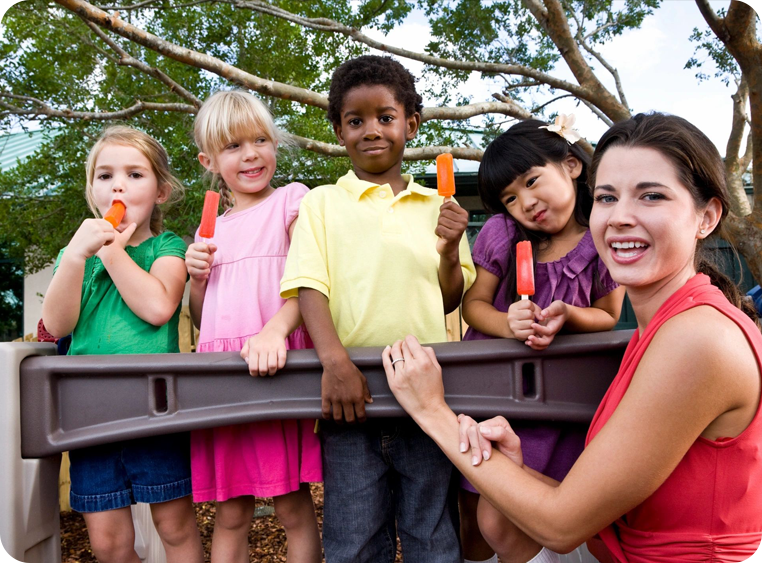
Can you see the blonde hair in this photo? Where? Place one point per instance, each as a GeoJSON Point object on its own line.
{"type": "Point", "coordinates": [226, 116]}
{"type": "Point", "coordinates": [156, 155]}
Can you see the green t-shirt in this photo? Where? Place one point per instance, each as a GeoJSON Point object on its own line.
{"type": "Point", "coordinates": [106, 324]}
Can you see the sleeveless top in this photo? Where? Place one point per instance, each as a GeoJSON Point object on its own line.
{"type": "Point", "coordinates": [710, 507]}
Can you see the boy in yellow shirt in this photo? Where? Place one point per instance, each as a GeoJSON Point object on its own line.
{"type": "Point", "coordinates": [376, 257]}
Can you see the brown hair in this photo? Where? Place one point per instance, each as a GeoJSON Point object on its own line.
{"type": "Point", "coordinates": [156, 155]}
{"type": "Point", "coordinates": [699, 168]}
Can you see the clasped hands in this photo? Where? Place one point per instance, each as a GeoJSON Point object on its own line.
{"type": "Point", "coordinates": [536, 327]}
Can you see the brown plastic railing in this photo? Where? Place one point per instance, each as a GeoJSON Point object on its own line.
{"type": "Point", "coordinates": [77, 401]}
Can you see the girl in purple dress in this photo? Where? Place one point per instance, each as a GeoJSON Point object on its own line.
{"type": "Point", "coordinates": [533, 178]}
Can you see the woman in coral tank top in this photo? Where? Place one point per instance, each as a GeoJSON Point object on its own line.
{"type": "Point", "coordinates": [672, 469]}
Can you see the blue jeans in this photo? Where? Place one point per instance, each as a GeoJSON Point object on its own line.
{"type": "Point", "coordinates": [383, 471]}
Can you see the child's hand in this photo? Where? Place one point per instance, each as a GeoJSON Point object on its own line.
{"type": "Point", "coordinates": [198, 260]}
{"type": "Point", "coordinates": [90, 238]}
{"type": "Point", "coordinates": [451, 225]}
{"type": "Point", "coordinates": [551, 321]}
{"type": "Point", "coordinates": [521, 318]}
{"type": "Point", "coordinates": [265, 353]}
{"type": "Point", "coordinates": [344, 391]}
{"type": "Point", "coordinates": [120, 241]}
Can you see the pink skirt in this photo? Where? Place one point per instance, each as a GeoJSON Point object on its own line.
{"type": "Point", "coordinates": [264, 459]}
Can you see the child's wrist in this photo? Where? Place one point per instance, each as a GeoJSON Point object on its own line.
{"type": "Point", "coordinates": [73, 258]}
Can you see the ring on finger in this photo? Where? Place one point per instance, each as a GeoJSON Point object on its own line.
{"type": "Point", "coordinates": [398, 360]}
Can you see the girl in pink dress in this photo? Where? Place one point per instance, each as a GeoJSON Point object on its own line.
{"type": "Point", "coordinates": [231, 465]}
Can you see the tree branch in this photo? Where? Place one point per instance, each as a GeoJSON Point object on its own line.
{"type": "Point", "coordinates": [267, 87]}
{"type": "Point", "coordinates": [552, 19]}
{"type": "Point", "coordinates": [129, 60]}
{"type": "Point", "coordinates": [44, 109]}
{"type": "Point", "coordinates": [414, 153]}
{"type": "Point", "coordinates": [328, 25]}
{"type": "Point", "coordinates": [192, 58]}
{"type": "Point", "coordinates": [599, 114]}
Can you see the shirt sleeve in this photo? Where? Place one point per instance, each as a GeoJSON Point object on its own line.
{"type": "Point", "coordinates": [493, 246]}
{"type": "Point", "coordinates": [295, 192]}
{"type": "Point", "coordinates": [58, 259]}
{"type": "Point", "coordinates": [307, 263]}
{"type": "Point", "coordinates": [169, 244]}
{"type": "Point", "coordinates": [602, 284]}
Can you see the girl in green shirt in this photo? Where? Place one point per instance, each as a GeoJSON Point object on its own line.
{"type": "Point", "coordinates": [117, 290]}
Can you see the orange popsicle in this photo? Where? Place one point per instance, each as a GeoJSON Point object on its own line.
{"type": "Point", "coordinates": [445, 175]}
{"type": "Point", "coordinates": [115, 214]}
{"type": "Point", "coordinates": [524, 269]}
{"type": "Point", "coordinates": [209, 215]}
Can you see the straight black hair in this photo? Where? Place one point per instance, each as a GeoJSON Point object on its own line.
{"type": "Point", "coordinates": [522, 147]}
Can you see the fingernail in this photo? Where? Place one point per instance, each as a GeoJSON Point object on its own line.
{"type": "Point", "coordinates": [463, 447]}
{"type": "Point", "coordinates": [485, 430]}
{"type": "Point", "coordinates": [485, 453]}
{"type": "Point", "coordinates": [474, 460]}
{"type": "Point", "coordinates": [387, 348]}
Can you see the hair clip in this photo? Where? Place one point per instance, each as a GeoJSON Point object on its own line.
{"type": "Point", "coordinates": [563, 126]}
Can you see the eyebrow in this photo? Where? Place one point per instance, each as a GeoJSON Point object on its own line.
{"type": "Point", "coordinates": [129, 167]}
{"type": "Point", "coordinates": [639, 186]}
{"type": "Point", "coordinates": [387, 108]}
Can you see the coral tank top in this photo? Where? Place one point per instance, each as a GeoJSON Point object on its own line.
{"type": "Point", "coordinates": [710, 507]}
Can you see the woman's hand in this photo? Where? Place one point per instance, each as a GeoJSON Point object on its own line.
{"type": "Point", "coordinates": [415, 378]}
{"type": "Point", "coordinates": [198, 260]}
{"type": "Point", "coordinates": [497, 431]}
{"type": "Point", "coordinates": [552, 320]}
{"type": "Point", "coordinates": [521, 318]}
{"type": "Point", "coordinates": [479, 437]}
{"type": "Point", "coordinates": [265, 353]}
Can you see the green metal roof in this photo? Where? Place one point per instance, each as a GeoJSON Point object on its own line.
{"type": "Point", "coordinates": [15, 147]}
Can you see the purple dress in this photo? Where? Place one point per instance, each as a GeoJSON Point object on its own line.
{"type": "Point", "coordinates": [579, 278]}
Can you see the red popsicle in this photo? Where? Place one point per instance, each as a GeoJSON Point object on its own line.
{"type": "Point", "coordinates": [209, 215]}
{"type": "Point", "coordinates": [524, 269]}
{"type": "Point", "coordinates": [445, 175]}
{"type": "Point", "coordinates": [115, 214]}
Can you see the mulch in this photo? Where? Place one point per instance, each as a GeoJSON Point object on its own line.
{"type": "Point", "coordinates": [267, 540]}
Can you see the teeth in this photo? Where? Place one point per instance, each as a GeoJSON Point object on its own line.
{"type": "Point", "coordinates": [630, 244]}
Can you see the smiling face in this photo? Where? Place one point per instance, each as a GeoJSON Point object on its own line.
{"type": "Point", "coordinates": [645, 222]}
{"type": "Point", "coordinates": [247, 165]}
{"type": "Point", "coordinates": [374, 129]}
{"type": "Point", "coordinates": [544, 197]}
{"type": "Point", "coordinates": [123, 173]}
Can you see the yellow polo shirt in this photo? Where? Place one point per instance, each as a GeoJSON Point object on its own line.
{"type": "Point", "coordinates": [374, 256]}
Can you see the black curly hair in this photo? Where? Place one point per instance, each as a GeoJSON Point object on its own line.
{"type": "Point", "coordinates": [369, 70]}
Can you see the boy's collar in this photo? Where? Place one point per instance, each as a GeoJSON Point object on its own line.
{"type": "Point", "coordinates": [357, 187]}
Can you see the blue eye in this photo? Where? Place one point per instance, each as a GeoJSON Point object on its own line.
{"type": "Point", "coordinates": [605, 198]}
{"type": "Point", "coordinates": [653, 196]}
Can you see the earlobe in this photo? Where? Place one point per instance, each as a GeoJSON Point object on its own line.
{"type": "Point", "coordinates": [163, 194]}
{"type": "Point", "coordinates": [337, 132]}
{"type": "Point", "coordinates": [573, 166]}
{"type": "Point", "coordinates": [712, 216]}
{"type": "Point", "coordinates": [206, 162]}
{"type": "Point", "coordinates": [413, 123]}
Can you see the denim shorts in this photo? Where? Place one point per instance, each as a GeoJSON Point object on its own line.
{"type": "Point", "coordinates": [155, 469]}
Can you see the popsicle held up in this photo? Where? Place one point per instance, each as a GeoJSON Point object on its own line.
{"type": "Point", "coordinates": [445, 176]}
{"type": "Point", "coordinates": [209, 215]}
{"type": "Point", "coordinates": [115, 214]}
{"type": "Point", "coordinates": [524, 269]}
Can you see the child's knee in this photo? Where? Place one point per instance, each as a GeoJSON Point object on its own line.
{"type": "Point", "coordinates": [115, 546]}
{"type": "Point", "coordinates": [176, 531]}
{"type": "Point", "coordinates": [295, 510]}
{"type": "Point", "coordinates": [234, 515]}
{"type": "Point", "coordinates": [496, 529]}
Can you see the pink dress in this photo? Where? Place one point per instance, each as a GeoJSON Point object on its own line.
{"type": "Point", "coordinates": [268, 458]}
